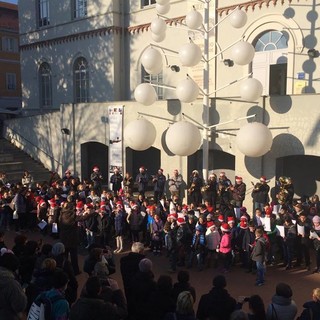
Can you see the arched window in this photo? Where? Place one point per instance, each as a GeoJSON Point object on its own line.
{"type": "Point", "coordinates": [270, 61]}
{"type": "Point", "coordinates": [81, 80]}
{"type": "Point", "coordinates": [45, 85]}
{"type": "Point", "coordinates": [271, 40]}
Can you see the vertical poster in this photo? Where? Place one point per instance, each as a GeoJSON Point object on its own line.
{"type": "Point", "coordinates": [115, 114]}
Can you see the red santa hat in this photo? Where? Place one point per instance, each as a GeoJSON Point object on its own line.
{"type": "Point", "coordinates": [210, 224]}
{"type": "Point", "coordinates": [38, 199]}
{"type": "Point", "coordinates": [134, 206]}
{"type": "Point", "coordinates": [95, 168]}
{"type": "Point", "coordinates": [79, 205]}
{"type": "Point", "coordinates": [239, 179]}
{"type": "Point", "coordinates": [52, 202]}
{"type": "Point", "coordinates": [243, 218]}
{"type": "Point", "coordinates": [220, 218]}
{"type": "Point", "coordinates": [119, 204]}
{"type": "Point", "coordinates": [231, 220]}
{"type": "Point", "coordinates": [181, 221]}
{"type": "Point", "coordinates": [173, 216]}
{"type": "Point", "coordinates": [68, 171]}
{"type": "Point", "coordinates": [268, 211]}
{"type": "Point", "coordinates": [142, 168]}
{"type": "Point", "coordinates": [42, 203]}
{"type": "Point", "coordinates": [263, 179]}
{"type": "Point", "coordinates": [102, 204]}
{"type": "Point", "coordinates": [225, 227]}
{"type": "Point", "coordinates": [89, 206]}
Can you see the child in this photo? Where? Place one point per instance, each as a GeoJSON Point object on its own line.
{"type": "Point", "coordinates": [258, 255]}
{"type": "Point", "coordinates": [198, 247]}
{"type": "Point", "coordinates": [225, 247]}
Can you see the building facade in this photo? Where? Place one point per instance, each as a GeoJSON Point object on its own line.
{"type": "Point", "coordinates": [81, 57]}
{"type": "Point", "coordinates": [10, 79]}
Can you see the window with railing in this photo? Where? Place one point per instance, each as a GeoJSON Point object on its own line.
{"type": "Point", "coordinates": [156, 80]}
{"type": "Point", "coordinates": [81, 80]}
{"type": "Point", "coordinates": [45, 85]}
{"type": "Point", "coordinates": [79, 8]}
{"type": "Point", "coordinates": [43, 13]}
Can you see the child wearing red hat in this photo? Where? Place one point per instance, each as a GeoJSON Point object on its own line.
{"type": "Point", "coordinates": [225, 247]}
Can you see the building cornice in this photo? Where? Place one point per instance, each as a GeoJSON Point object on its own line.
{"type": "Point", "coordinates": [145, 27]}
{"type": "Point", "coordinates": [252, 5]}
{"type": "Point", "coordinates": [71, 38]}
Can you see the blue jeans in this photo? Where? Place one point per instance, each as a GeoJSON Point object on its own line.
{"type": "Point", "coordinates": [261, 270]}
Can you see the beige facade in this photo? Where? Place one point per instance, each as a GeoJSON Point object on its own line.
{"type": "Point", "coordinates": [283, 33]}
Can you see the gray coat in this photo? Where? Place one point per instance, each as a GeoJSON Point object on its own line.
{"type": "Point", "coordinates": [281, 308]}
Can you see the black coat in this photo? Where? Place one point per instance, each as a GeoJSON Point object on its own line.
{"type": "Point", "coordinates": [216, 305]}
{"type": "Point", "coordinates": [68, 227]}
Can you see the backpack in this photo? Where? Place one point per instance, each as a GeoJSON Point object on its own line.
{"type": "Point", "coordinates": [41, 308]}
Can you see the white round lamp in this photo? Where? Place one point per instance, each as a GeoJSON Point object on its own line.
{"type": "Point", "coordinates": [162, 2]}
{"type": "Point", "coordinates": [190, 54]}
{"type": "Point", "coordinates": [157, 37]}
{"type": "Point", "coordinates": [158, 26]}
{"type": "Point", "coordinates": [251, 89]}
{"type": "Point", "coordinates": [152, 61]}
{"type": "Point", "coordinates": [163, 9]}
{"type": "Point", "coordinates": [194, 20]}
{"type": "Point", "coordinates": [145, 94]}
{"type": "Point", "coordinates": [183, 138]}
{"type": "Point", "coordinates": [254, 139]}
{"type": "Point", "coordinates": [140, 134]}
{"type": "Point", "coordinates": [242, 53]}
{"type": "Point", "coordinates": [238, 18]}
{"type": "Point", "coordinates": [187, 90]}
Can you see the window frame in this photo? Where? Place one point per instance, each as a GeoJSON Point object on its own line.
{"type": "Point", "coordinates": [147, 3]}
{"type": "Point", "coordinates": [77, 11]}
{"type": "Point", "coordinates": [45, 85]}
{"type": "Point", "coordinates": [43, 12]}
{"type": "Point", "coordinates": [8, 82]}
{"type": "Point", "coordinates": [81, 84]}
{"type": "Point", "coordinates": [154, 79]}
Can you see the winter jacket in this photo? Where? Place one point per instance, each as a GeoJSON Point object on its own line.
{"type": "Point", "coordinates": [225, 244]}
{"type": "Point", "coordinates": [281, 308]}
{"type": "Point", "coordinates": [311, 311]}
{"type": "Point", "coordinates": [259, 250]}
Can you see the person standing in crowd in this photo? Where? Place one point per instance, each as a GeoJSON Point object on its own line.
{"type": "Point", "coordinates": [195, 188]}
{"type": "Point", "coordinates": [217, 304]}
{"type": "Point", "coordinates": [116, 181]}
{"type": "Point", "coordinates": [119, 221]}
{"type": "Point", "coordinates": [315, 237]}
{"type": "Point", "coordinates": [303, 241]}
{"type": "Point", "coordinates": [96, 178]}
{"type": "Point", "coordinates": [128, 183]}
{"type": "Point", "coordinates": [312, 308]}
{"type": "Point", "coordinates": [26, 179]}
{"type": "Point", "coordinates": [142, 180]}
{"type": "Point", "coordinates": [157, 235]}
{"type": "Point", "coordinates": [282, 306]}
{"type": "Point", "coordinates": [259, 255]}
{"type": "Point", "coordinates": [224, 180]}
{"type": "Point", "coordinates": [134, 220]}
{"type": "Point", "coordinates": [210, 190]}
{"type": "Point", "coordinates": [238, 191]}
{"type": "Point", "coordinates": [198, 247]}
{"type": "Point", "coordinates": [225, 248]}
{"type": "Point", "coordinates": [20, 207]}
{"type": "Point", "coordinates": [260, 193]}
{"type": "Point", "coordinates": [69, 233]}
{"type": "Point", "coordinates": [67, 176]}
{"type": "Point", "coordinates": [159, 181]}
{"type": "Point", "coordinates": [175, 183]}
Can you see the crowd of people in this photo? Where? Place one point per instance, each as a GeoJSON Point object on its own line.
{"type": "Point", "coordinates": [212, 229]}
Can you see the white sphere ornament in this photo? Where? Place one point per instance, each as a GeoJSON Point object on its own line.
{"type": "Point", "coordinates": [183, 138]}
{"type": "Point", "coordinates": [254, 139]}
{"type": "Point", "coordinates": [152, 61]}
{"type": "Point", "coordinates": [157, 37]}
{"type": "Point", "coordinates": [194, 20]}
{"type": "Point", "coordinates": [140, 134]}
{"type": "Point", "coordinates": [163, 9]}
{"type": "Point", "coordinates": [145, 94]}
{"type": "Point", "coordinates": [187, 90]}
{"type": "Point", "coordinates": [251, 89]}
{"type": "Point", "coordinates": [242, 53]}
{"type": "Point", "coordinates": [162, 2]}
{"type": "Point", "coordinates": [238, 18]}
{"type": "Point", "coordinates": [190, 54]}
{"type": "Point", "coordinates": [158, 26]}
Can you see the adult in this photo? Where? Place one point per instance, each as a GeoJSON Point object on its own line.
{"type": "Point", "coordinates": [142, 180]}
{"type": "Point", "coordinates": [128, 183]}
{"type": "Point", "coordinates": [259, 255]}
{"type": "Point", "coordinates": [210, 190]}
{"type": "Point", "coordinates": [312, 308]}
{"type": "Point", "coordinates": [13, 300]}
{"type": "Point", "coordinates": [256, 307]}
{"type": "Point", "coordinates": [159, 181]}
{"type": "Point", "coordinates": [218, 303]}
{"type": "Point", "coordinates": [282, 306]}
{"type": "Point", "coordinates": [69, 233]}
{"type": "Point", "coordinates": [224, 180]}
{"type": "Point", "coordinates": [96, 178]}
{"type": "Point", "coordinates": [116, 181]}
{"type": "Point", "coordinates": [260, 193]}
{"type": "Point", "coordinates": [194, 189]}
{"type": "Point", "coordinates": [175, 183]}
{"type": "Point", "coordinates": [238, 191]}
{"type": "Point", "coordinates": [183, 284]}
{"type": "Point", "coordinates": [59, 305]}
{"type": "Point", "coordinates": [26, 179]}
{"type": "Point", "coordinates": [184, 308]}
{"type": "Point", "coordinates": [20, 209]}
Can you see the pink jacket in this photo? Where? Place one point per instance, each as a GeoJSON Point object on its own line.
{"type": "Point", "coordinates": [225, 244]}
